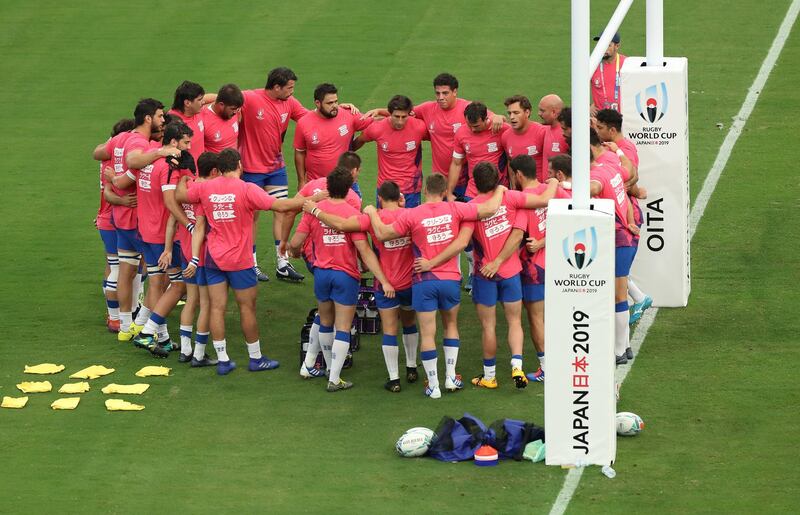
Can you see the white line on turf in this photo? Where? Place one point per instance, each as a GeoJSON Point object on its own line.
{"type": "Point", "coordinates": [573, 478]}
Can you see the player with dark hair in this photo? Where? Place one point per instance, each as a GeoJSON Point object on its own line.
{"type": "Point", "coordinates": [221, 119]}
{"type": "Point", "coordinates": [432, 227]}
{"type": "Point", "coordinates": [398, 141]}
{"type": "Point", "coordinates": [526, 137]}
{"type": "Point", "coordinates": [187, 105]}
{"type": "Point", "coordinates": [230, 204]}
{"type": "Point", "coordinates": [336, 273]}
{"type": "Point", "coordinates": [605, 80]}
{"type": "Point", "coordinates": [108, 235]}
{"type": "Point", "coordinates": [443, 117]}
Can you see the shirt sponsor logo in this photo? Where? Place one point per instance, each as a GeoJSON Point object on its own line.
{"type": "Point", "coordinates": [200, 126]}
{"type": "Point", "coordinates": [497, 223]}
{"type": "Point", "coordinates": [411, 145]}
{"type": "Point", "coordinates": [397, 243]}
{"type": "Point", "coordinates": [222, 206]}
{"type": "Point", "coordinates": [343, 130]}
{"type": "Point", "coordinates": [456, 126]}
{"type": "Point", "coordinates": [235, 127]}
{"type": "Point", "coordinates": [491, 147]}
{"type": "Point", "coordinates": [556, 147]}
{"type": "Point", "coordinates": [284, 117]}
{"type": "Point", "coordinates": [438, 229]}
{"type": "Point", "coordinates": [260, 114]}
{"type": "Point", "coordinates": [532, 151]}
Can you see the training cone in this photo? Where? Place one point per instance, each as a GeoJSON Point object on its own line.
{"type": "Point", "coordinates": [486, 456]}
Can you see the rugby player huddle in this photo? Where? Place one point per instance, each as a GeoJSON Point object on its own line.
{"type": "Point", "coordinates": [181, 191]}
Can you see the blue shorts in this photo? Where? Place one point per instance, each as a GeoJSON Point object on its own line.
{"type": "Point", "coordinates": [199, 277]}
{"type": "Point", "coordinates": [152, 251]}
{"type": "Point", "coordinates": [337, 286]}
{"type": "Point", "coordinates": [402, 298]}
{"type": "Point", "coordinates": [432, 295]}
{"type": "Point", "coordinates": [487, 292]}
{"type": "Point", "coordinates": [309, 266]}
{"type": "Point", "coordinates": [128, 239]}
{"type": "Point", "coordinates": [534, 292]}
{"type": "Point", "coordinates": [109, 241]}
{"type": "Point", "coordinates": [275, 178]}
{"type": "Point", "coordinates": [624, 260]}
{"type": "Point", "coordinates": [237, 279]}
{"type": "Point", "coordinates": [356, 188]}
{"type": "Point", "coordinates": [460, 191]}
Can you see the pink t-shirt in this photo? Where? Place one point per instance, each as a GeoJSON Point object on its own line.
{"type": "Point", "coordinates": [433, 226]}
{"type": "Point", "coordinates": [120, 146]}
{"type": "Point", "coordinates": [103, 219]}
{"type": "Point", "coordinates": [490, 234]}
{"type": "Point", "coordinates": [442, 126]}
{"type": "Point", "coordinates": [218, 134]}
{"type": "Point", "coordinates": [151, 212]}
{"type": "Point", "coordinates": [527, 143]}
{"type": "Point", "coordinates": [610, 178]}
{"type": "Point", "coordinates": [310, 189]}
{"type": "Point", "coordinates": [186, 249]}
{"type": "Point", "coordinates": [399, 152]}
{"type": "Point", "coordinates": [483, 146]}
{"type": "Point", "coordinates": [262, 129]}
{"type": "Point", "coordinates": [195, 123]}
{"type": "Point", "coordinates": [611, 159]}
{"type": "Point", "coordinates": [396, 256]}
{"type": "Point", "coordinates": [629, 149]}
{"type": "Point", "coordinates": [325, 139]}
{"type": "Point", "coordinates": [536, 219]}
{"type": "Point", "coordinates": [182, 234]}
{"type": "Point", "coordinates": [554, 144]}
{"type": "Point", "coordinates": [332, 249]}
{"type": "Point", "coordinates": [229, 204]}
{"type": "Point", "coordinates": [605, 85]}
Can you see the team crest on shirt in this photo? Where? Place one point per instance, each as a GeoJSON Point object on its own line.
{"type": "Point", "coordinates": [260, 114]}
{"type": "Point", "coordinates": [411, 145]}
{"type": "Point", "coordinates": [597, 83]}
{"type": "Point", "coordinates": [284, 116]}
{"type": "Point", "coordinates": [217, 136]}
{"type": "Point", "coordinates": [235, 127]}
{"type": "Point", "coordinates": [314, 139]}
{"type": "Point", "coordinates": [491, 147]}
{"type": "Point", "coordinates": [466, 148]}
{"type": "Point", "coordinates": [556, 147]}
{"type": "Point", "coordinates": [430, 127]}
{"type": "Point", "coordinates": [200, 126]}
{"type": "Point", "coordinates": [343, 130]}
{"type": "Point", "coordinates": [531, 150]}
{"type": "Point", "coordinates": [385, 146]}
{"type": "Point", "coordinates": [456, 126]}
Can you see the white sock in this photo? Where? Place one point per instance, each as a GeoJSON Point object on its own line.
{"type": "Point", "coordinates": [255, 259]}
{"type": "Point", "coordinates": [150, 327]}
{"type": "Point", "coordinates": [186, 339]}
{"type": "Point", "coordinates": [326, 344]}
{"type": "Point", "coordinates": [622, 326]}
{"type": "Point", "coordinates": [125, 320]}
{"type": "Point", "coordinates": [113, 313]}
{"type": "Point", "coordinates": [450, 357]}
{"type": "Point", "coordinates": [254, 349]}
{"type": "Point", "coordinates": [516, 363]}
{"type": "Point", "coordinates": [313, 346]}
{"type": "Point", "coordinates": [338, 354]}
{"type": "Point", "coordinates": [144, 314]}
{"type": "Point", "coordinates": [411, 344]}
{"type": "Point", "coordinates": [489, 371]}
{"type": "Point", "coordinates": [430, 362]}
{"type": "Point", "coordinates": [636, 294]}
{"type": "Point", "coordinates": [163, 333]}
{"type": "Point", "coordinates": [200, 345]}
{"type": "Point", "coordinates": [282, 261]}
{"type": "Point", "coordinates": [390, 354]}
{"type": "Point", "coordinates": [222, 354]}
{"type": "Point", "coordinates": [540, 355]}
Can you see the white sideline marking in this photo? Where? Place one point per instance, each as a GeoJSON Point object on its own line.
{"type": "Point", "coordinates": [573, 478]}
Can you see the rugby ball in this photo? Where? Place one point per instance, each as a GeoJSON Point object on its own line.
{"type": "Point", "coordinates": [629, 424]}
{"type": "Point", "coordinates": [414, 442]}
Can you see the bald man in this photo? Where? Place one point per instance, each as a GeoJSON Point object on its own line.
{"type": "Point", "coordinates": [554, 143]}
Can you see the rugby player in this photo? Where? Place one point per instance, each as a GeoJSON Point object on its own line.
{"type": "Point", "coordinates": [526, 137]}
{"type": "Point", "coordinates": [554, 143]}
{"type": "Point", "coordinates": [187, 105]}
{"type": "Point", "coordinates": [221, 119]}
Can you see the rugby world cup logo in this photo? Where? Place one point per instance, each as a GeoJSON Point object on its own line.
{"type": "Point", "coordinates": [580, 250]}
{"type": "Point", "coordinates": [652, 102]}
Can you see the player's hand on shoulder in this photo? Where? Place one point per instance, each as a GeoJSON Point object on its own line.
{"type": "Point", "coordinates": [320, 195]}
{"type": "Point", "coordinates": [309, 205]}
{"type": "Point", "coordinates": [368, 210]}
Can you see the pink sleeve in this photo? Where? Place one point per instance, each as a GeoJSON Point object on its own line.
{"type": "Point", "coordinates": [516, 199]}
{"type": "Point", "coordinates": [258, 198]}
{"type": "Point", "coordinates": [423, 132]}
{"type": "Point", "coordinates": [364, 222]}
{"type": "Point", "coordinates": [357, 236]}
{"type": "Point", "coordinates": [305, 224]}
{"type": "Point", "coordinates": [139, 144]}
{"type": "Point", "coordinates": [421, 111]}
{"type": "Point", "coordinates": [521, 219]}
{"type": "Point", "coordinates": [305, 191]}
{"type": "Point", "coordinates": [298, 111]}
{"type": "Point", "coordinates": [371, 133]}
{"type": "Point", "coordinates": [458, 146]}
{"type": "Point", "coordinates": [194, 191]}
{"type": "Point", "coordinates": [403, 223]}
{"type": "Point", "coordinates": [467, 212]}
{"type": "Point", "coordinates": [299, 142]}
{"type": "Point", "coordinates": [361, 122]}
